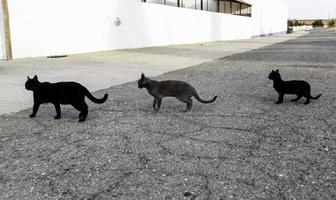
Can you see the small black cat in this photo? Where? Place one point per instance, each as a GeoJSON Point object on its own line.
{"type": "Point", "coordinates": [178, 89]}
{"type": "Point", "coordinates": [61, 93]}
{"type": "Point", "coordinates": [300, 88]}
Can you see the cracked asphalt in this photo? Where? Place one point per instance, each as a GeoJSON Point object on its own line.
{"type": "Point", "coordinates": [243, 146]}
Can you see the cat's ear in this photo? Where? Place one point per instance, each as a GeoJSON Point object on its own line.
{"type": "Point", "coordinates": [277, 70]}
{"type": "Point", "coordinates": [142, 75]}
{"type": "Point", "coordinates": [28, 78]}
{"type": "Point", "coordinates": [35, 78]}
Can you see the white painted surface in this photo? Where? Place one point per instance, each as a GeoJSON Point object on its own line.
{"type": "Point", "coordinates": [301, 28]}
{"type": "Point", "coordinates": [269, 16]}
{"type": "Point", "coordinates": [46, 27]}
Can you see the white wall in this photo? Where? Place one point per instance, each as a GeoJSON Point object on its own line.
{"type": "Point", "coordinates": [301, 28]}
{"type": "Point", "coordinates": [53, 27]}
{"type": "Point", "coordinates": [269, 16]}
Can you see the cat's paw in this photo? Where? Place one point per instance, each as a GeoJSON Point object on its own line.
{"type": "Point", "coordinates": [57, 117]}
{"type": "Point", "coordinates": [278, 102]}
{"type": "Point", "coordinates": [31, 116]}
{"type": "Point", "coordinates": [155, 111]}
{"type": "Point", "coordinates": [81, 120]}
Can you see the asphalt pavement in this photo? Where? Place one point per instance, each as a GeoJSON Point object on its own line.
{"type": "Point", "coordinates": [242, 146]}
{"type": "Point", "coordinates": [101, 70]}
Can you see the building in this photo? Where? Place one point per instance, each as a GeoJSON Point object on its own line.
{"type": "Point", "coordinates": [47, 27]}
{"type": "Point", "coordinates": [311, 22]}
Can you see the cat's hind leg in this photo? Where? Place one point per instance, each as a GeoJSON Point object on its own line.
{"type": "Point", "coordinates": [84, 112]}
{"type": "Point", "coordinates": [78, 107]}
{"type": "Point", "coordinates": [188, 101]}
{"type": "Point", "coordinates": [58, 110]}
{"type": "Point", "coordinates": [189, 105]}
{"type": "Point", "coordinates": [307, 101]}
{"type": "Point", "coordinates": [296, 99]}
{"type": "Point", "coordinates": [307, 96]}
{"type": "Point", "coordinates": [82, 107]}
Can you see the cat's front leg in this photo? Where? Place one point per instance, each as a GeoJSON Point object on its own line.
{"type": "Point", "coordinates": [158, 105]}
{"type": "Point", "coordinates": [35, 109]}
{"type": "Point", "coordinates": [58, 110]}
{"type": "Point", "coordinates": [154, 104]}
{"type": "Point", "coordinates": [280, 99]}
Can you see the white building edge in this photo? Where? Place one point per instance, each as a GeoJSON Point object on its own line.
{"type": "Point", "coordinates": [58, 27]}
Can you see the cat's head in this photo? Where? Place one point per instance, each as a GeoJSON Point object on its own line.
{"type": "Point", "coordinates": [32, 83]}
{"type": "Point", "coordinates": [274, 75]}
{"type": "Point", "coordinates": [143, 81]}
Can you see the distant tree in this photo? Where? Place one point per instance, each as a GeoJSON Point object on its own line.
{"type": "Point", "coordinates": [290, 23]}
{"type": "Point", "coordinates": [296, 23]}
{"type": "Point", "coordinates": [331, 22]}
{"type": "Point", "coordinates": [318, 23]}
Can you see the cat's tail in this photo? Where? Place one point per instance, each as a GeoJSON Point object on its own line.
{"type": "Point", "coordinates": [203, 101]}
{"type": "Point", "coordinates": [318, 96]}
{"type": "Point", "coordinates": [94, 99]}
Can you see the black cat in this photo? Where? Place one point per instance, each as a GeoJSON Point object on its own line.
{"type": "Point", "coordinates": [300, 88]}
{"type": "Point", "coordinates": [178, 89]}
{"type": "Point", "coordinates": [61, 93]}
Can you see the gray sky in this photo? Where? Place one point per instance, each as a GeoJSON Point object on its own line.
{"type": "Point", "coordinates": [312, 9]}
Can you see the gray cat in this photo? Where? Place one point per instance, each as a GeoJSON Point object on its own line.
{"type": "Point", "coordinates": [178, 89]}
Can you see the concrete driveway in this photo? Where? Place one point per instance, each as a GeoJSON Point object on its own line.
{"type": "Point", "coordinates": [243, 146]}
